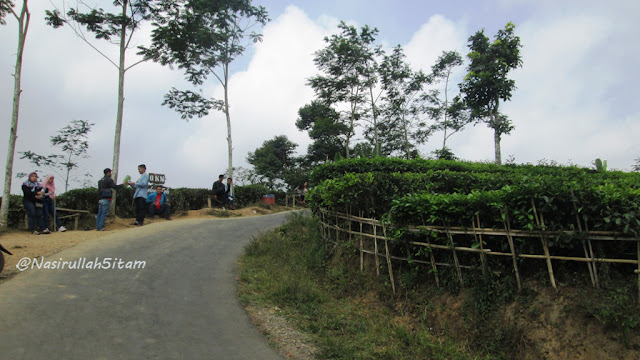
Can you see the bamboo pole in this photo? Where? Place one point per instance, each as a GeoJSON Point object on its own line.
{"type": "Point", "coordinates": [350, 224]}
{"type": "Point", "coordinates": [507, 226]}
{"type": "Point", "coordinates": [545, 246]}
{"type": "Point", "coordinates": [455, 259]}
{"type": "Point", "coordinates": [337, 227]}
{"type": "Point", "coordinates": [433, 262]}
{"type": "Point", "coordinates": [595, 268]}
{"type": "Point", "coordinates": [375, 242]}
{"type": "Point", "coordinates": [386, 249]}
{"type": "Point", "coordinates": [584, 246]}
{"type": "Point", "coordinates": [361, 246]}
{"type": "Point", "coordinates": [478, 239]}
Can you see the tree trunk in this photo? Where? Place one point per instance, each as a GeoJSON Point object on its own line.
{"type": "Point", "coordinates": [375, 122]}
{"type": "Point", "coordinates": [496, 139]}
{"type": "Point", "coordinates": [446, 105]}
{"type": "Point", "coordinates": [119, 115]}
{"type": "Point", "coordinates": [66, 179]}
{"type": "Point", "coordinates": [496, 133]}
{"type": "Point", "coordinates": [406, 135]}
{"type": "Point", "coordinates": [226, 112]}
{"type": "Point", "coordinates": [23, 27]}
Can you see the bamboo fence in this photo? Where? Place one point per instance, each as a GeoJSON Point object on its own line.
{"type": "Point", "coordinates": [376, 232]}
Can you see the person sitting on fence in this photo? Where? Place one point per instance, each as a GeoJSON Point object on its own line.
{"type": "Point", "coordinates": [49, 188]}
{"type": "Point", "coordinates": [159, 204]}
{"type": "Point", "coordinates": [218, 191]}
{"type": "Point", "coordinates": [229, 194]}
{"type": "Point", "coordinates": [32, 202]}
{"type": "Point", "coordinates": [301, 192]}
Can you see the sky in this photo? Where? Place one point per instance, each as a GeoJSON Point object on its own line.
{"type": "Point", "coordinates": [574, 100]}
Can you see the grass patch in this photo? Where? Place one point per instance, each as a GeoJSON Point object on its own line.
{"type": "Point", "coordinates": [323, 292]}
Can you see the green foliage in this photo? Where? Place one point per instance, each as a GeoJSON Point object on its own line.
{"type": "Point", "coordinates": [249, 194]}
{"type": "Point", "coordinates": [449, 116]}
{"type": "Point", "coordinates": [444, 154]}
{"type": "Point", "coordinates": [325, 129]}
{"type": "Point", "coordinates": [452, 193]}
{"type": "Point", "coordinates": [346, 70]}
{"type": "Point", "coordinates": [486, 82]}
{"type": "Point", "coordinates": [402, 126]}
{"type": "Point", "coordinates": [185, 199]}
{"type": "Point", "coordinates": [72, 141]}
{"type": "Point", "coordinates": [274, 160]}
{"type": "Point", "coordinates": [601, 166]}
{"type": "Point", "coordinates": [16, 211]}
{"type": "Point", "coordinates": [323, 293]}
{"type": "Point", "coordinates": [616, 308]}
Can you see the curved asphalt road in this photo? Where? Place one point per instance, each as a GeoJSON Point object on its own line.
{"type": "Point", "coordinates": [182, 305]}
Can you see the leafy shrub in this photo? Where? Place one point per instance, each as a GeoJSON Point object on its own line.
{"type": "Point", "coordinates": [249, 194]}
{"type": "Point", "coordinates": [616, 308]}
{"type": "Point", "coordinates": [16, 211]}
{"type": "Point", "coordinates": [184, 199]}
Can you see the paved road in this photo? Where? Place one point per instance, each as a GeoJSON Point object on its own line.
{"type": "Point", "coordinates": [182, 305]}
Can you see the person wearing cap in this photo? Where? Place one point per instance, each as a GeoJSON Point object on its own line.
{"type": "Point", "coordinates": [106, 185]}
{"type": "Point", "coordinates": [140, 195]}
{"type": "Point", "coordinates": [32, 202]}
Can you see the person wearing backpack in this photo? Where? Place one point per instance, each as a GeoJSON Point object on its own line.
{"type": "Point", "coordinates": [106, 185]}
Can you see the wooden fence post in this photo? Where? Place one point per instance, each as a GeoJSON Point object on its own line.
{"type": "Point", "coordinates": [386, 248]}
{"type": "Point", "coordinates": [361, 245]}
{"type": "Point", "coordinates": [478, 238]}
{"type": "Point", "coordinates": [507, 227]}
{"type": "Point", "coordinates": [455, 256]}
{"type": "Point", "coordinates": [375, 242]}
{"type": "Point", "coordinates": [545, 246]}
{"type": "Point", "coordinates": [433, 261]}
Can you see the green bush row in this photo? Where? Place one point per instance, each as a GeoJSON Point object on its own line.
{"type": "Point", "coordinates": [607, 203]}
{"type": "Point", "coordinates": [395, 165]}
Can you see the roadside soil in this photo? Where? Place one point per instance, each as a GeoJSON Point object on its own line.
{"type": "Point", "coordinates": [22, 243]}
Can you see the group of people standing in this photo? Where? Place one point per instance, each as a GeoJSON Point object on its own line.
{"type": "Point", "coordinates": [158, 203]}
{"type": "Point", "coordinates": [39, 204]}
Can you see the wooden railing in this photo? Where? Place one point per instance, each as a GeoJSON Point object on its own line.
{"type": "Point", "coordinates": [376, 233]}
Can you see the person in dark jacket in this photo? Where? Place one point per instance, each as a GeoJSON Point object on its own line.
{"type": "Point", "coordinates": [218, 191]}
{"type": "Point", "coordinates": [106, 185]}
{"type": "Point", "coordinates": [159, 204]}
{"type": "Point", "coordinates": [32, 202]}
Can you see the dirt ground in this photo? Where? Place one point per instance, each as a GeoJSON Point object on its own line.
{"type": "Point", "coordinates": [23, 244]}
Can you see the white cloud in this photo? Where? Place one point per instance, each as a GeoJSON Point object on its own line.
{"type": "Point", "coordinates": [266, 97]}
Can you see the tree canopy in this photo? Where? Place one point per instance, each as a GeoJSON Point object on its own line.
{"type": "Point", "coordinates": [486, 82]}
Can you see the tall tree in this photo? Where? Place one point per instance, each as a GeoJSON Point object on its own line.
{"type": "Point", "coordinates": [116, 28]}
{"type": "Point", "coordinates": [204, 38]}
{"type": "Point", "coordinates": [486, 83]}
{"type": "Point", "coordinates": [448, 116]}
{"type": "Point", "coordinates": [23, 17]}
{"type": "Point", "coordinates": [325, 129]}
{"type": "Point", "coordinates": [273, 160]}
{"type": "Point", "coordinates": [404, 124]}
{"type": "Point", "coordinates": [345, 64]}
{"type": "Point", "coordinates": [72, 140]}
